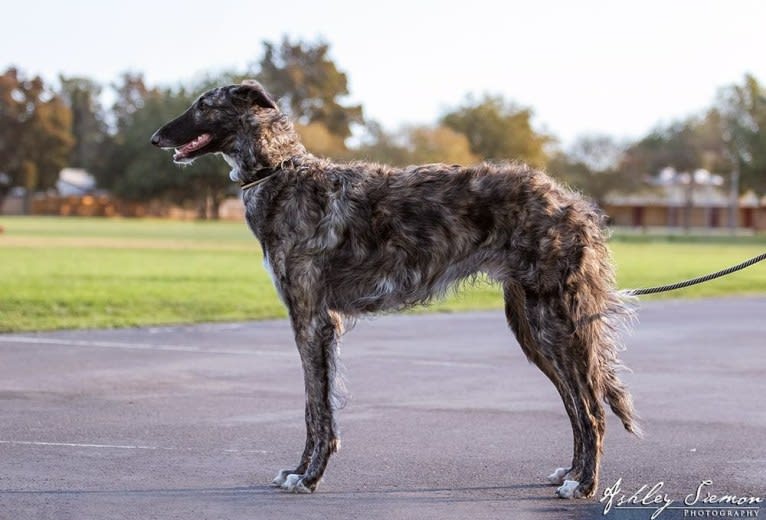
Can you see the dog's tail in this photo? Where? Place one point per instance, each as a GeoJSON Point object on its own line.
{"type": "Point", "coordinates": [339, 394]}
{"type": "Point", "coordinates": [603, 314]}
{"type": "Point", "coordinates": [614, 392]}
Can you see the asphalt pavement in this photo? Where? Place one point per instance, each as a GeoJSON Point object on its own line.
{"type": "Point", "coordinates": [446, 420]}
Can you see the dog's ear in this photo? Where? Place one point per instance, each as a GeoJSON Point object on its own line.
{"type": "Point", "coordinates": [250, 93]}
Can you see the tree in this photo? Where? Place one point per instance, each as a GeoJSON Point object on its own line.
{"type": "Point", "coordinates": [414, 145]}
{"type": "Point", "coordinates": [742, 110]}
{"type": "Point", "coordinates": [89, 127]}
{"type": "Point", "coordinates": [378, 145]}
{"type": "Point", "coordinates": [599, 153]}
{"type": "Point", "coordinates": [139, 172]}
{"type": "Point", "coordinates": [320, 141]}
{"type": "Point", "coordinates": [306, 79]}
{"type": "Point", "coordinates": [591, 165]}
{"type": "Point", "coordinates": [130, 94]}
{"type": "Point", "coordinates": [439, 144]}
{"type": "Point", "coordinates": [498, 130]}
{"type": "Point", "coordinates": [685, 145]}
{"type": "Point", "coordinates": [5, 186]}
{"type": "Point", "coordinates": [35, 136]}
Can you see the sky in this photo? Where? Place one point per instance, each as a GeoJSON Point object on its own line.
{"type": "Point", "coordinates": [585, 67]}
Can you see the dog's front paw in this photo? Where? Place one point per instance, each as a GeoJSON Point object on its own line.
{"type": "Point", "coordinates": [559, 476]}
{"type": "Point", "coordinates": [281, 477]}
{"type": "Point", "coordinates": [294, 484]}
{"type": "Point", "coordinates": [568, 489]}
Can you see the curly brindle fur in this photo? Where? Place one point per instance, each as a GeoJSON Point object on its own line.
{"type": "Point", "coordinates": [344, 240]}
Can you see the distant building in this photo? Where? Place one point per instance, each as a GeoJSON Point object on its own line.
{"type": "Point", "coordinates": [681, 199]}
{"type": "Point", "coordinates": [75, 181]}
{"type": "Point", "coordinates": [72, 183]}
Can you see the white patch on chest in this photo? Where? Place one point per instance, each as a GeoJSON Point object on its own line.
{"type": "Point", "coordinates": [267, 266]}
{"type": "Point", "coordinates": [234, 173]}
{"type": "Point", "coordinates": [270, 270]}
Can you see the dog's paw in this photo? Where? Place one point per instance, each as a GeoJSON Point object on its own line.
{"type": "Point", "coordinates": [559, 476]}
{"type": "Point", "coordinates": [568, 489]}
{"type": "Point", "coordinates": [294, 484]}
{"type": "Point", "coordinates": [281, 477]}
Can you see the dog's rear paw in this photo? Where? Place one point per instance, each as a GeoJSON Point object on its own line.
{"type": "Point", "coordinates": [568, 489]}
{"type": "Point", "coordinates": [559, 476]}
{"type": "Point", "coordinates": [294, 484]}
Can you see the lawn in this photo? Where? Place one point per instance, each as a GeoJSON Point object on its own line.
{"type": "Point", "coordinates": [79, 272]}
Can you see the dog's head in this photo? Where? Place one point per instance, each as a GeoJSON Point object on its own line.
{"type": "Point", "coordinates": [213, 122]}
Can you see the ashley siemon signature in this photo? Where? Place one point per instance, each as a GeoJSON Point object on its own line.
{"type": "Point", "coordinates": [652, 497]}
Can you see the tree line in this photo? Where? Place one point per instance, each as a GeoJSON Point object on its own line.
{"type": "Point", "coordinates": [46, 127]}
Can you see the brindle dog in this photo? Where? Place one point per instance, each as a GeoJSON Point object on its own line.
{"type": "Point", "coordinates": [344, 240]}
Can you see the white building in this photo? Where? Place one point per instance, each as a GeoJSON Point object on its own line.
{"type": "Point", "coordinates": [75, 181]}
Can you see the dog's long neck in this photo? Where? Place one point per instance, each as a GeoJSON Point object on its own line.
{"type": "Point", "coordinates": [267, 140]}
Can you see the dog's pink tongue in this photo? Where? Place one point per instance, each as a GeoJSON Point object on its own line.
{"type": "Point", "coordinates": [195, 144]}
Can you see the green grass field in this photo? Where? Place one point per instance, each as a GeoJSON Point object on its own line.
{"type": "Point", "coordinates": [78, 272]}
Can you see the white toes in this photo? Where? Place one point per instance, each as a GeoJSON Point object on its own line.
{"type": "Point", "coordinates": [280, 478]}
{"type": "Point", "coordinates": [291, 481]}
{"type": "Point", "coordinates": [557, 477]}
{"type": "Point", "coordinates": [294, 484]}
{"type": "Point", "coordinates": [567, 490]}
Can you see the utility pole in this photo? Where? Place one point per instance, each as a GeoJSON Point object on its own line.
{"type": "Point", "coordinates": [731, 151]}
{"type": "Point", "coordinates": [734, 196]}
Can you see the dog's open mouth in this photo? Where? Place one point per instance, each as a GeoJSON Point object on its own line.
{"type": "Point", "coordinates": [183, 152]}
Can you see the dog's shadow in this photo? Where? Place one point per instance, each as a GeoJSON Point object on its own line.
{"type": "Point", "coordinates": [535, 498]}
{"type": "Point", "coordinates": [435, 493]}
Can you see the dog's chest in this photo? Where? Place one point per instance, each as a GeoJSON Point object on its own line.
{"type": "Point", "coordinates": [275, 280]}
{"type": "Point", "coordinates": [273, 250]}
{"type": "Point", "coordinates": [255, 215]}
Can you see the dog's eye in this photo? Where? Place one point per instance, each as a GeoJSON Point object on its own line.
{"type": "Point", "coordinates": [205, 104]}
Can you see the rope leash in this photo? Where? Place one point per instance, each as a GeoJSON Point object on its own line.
{"type": "Point", "coordinates": [699, 279]}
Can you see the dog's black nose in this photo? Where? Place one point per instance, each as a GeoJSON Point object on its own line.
{"type": "Point", "coordinates": [156, 139]}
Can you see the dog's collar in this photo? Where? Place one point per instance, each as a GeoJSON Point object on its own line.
{"type": "Point", "coordinates": [264, 174]}
{"type": "Point", "coordinates": [261, 176]}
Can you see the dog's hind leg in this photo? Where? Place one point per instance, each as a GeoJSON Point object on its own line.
{"type": "Point", "coordinates": [516, 312]}
{"type": "Point", "coordinates": [569, 360]}
{"type": "Point", "coordinates": [316, 335]}
{"type": "Point", "coordinates": [546, 333]}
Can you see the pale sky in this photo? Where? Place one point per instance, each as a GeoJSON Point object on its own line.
{"type": "Point", "coordinates": [584, 66]}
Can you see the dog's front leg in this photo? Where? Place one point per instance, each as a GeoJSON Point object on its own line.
{"type": "Point", "coordinates": [316, 335]}
{"type": "Point", "coordinates": [303, 464]}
